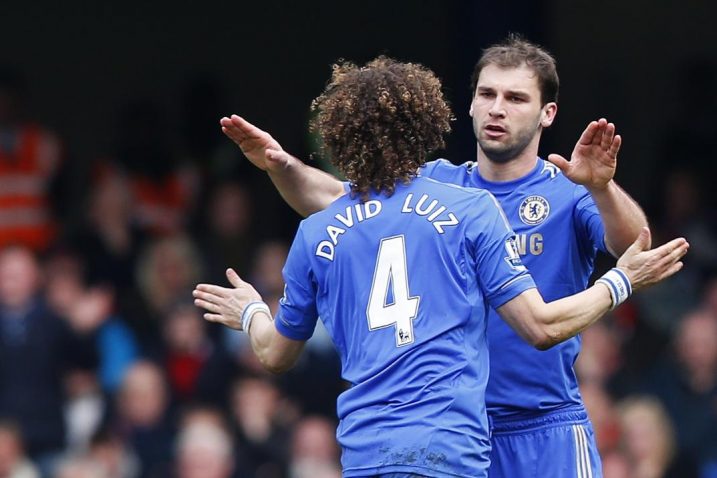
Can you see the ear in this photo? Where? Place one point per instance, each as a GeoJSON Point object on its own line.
{"type": "Point", "coordinates": [547, 114]}
{"type": "Point", "coordinates": [470, 110]}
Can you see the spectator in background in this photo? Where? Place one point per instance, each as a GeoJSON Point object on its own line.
{"type": "Point", "coordinates": [117, 461]}
{"type": "Point", "coordinates": [261, 419]}
{"type": "Point", "coordinates": [29, 161]}
{"type": "Point", "coordinates": [314, 451]}
{"type": "Point", "coordinates": [70, 296]}
{"type": "Point", "coordinates": [79, 466]}
{"type": "Point", "coordinates": [226, 237]}
{"type": "Point", "coordinates": [266, 272]}
{"type": "Point", "coordinates": [603, 414]}
{"type": "Point", "coordinates": [13, 461]}
{"type": "Point", "coordinates": [37, 348]}
{"type": "Point", "coordinates": [649, 441]}
{"type": "Point", "coordinates": [204, 447]}
{"type": "Point", "coordinates": [687, 386]}
{"type": "Point", "coordinates": [198, 371]}
{"type": "Point", "coordinates": [163, 190]}
{"type": "Point", "coordinates": [167, 269]}
{"type": "Point", "coordinates": [143, 419]}
{"type": "Point", "coordinates": [110, 242]}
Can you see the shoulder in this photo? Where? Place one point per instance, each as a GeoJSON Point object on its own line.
{"type": "Point", "coordinates": [442, 164]}
{"type": "Point", "coordinates": [456, 190]}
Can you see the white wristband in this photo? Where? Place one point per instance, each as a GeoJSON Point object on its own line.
{"type": "Point", "coordinates": [618, 284]}
{"type": "Point", "coordinates": [249, 311]}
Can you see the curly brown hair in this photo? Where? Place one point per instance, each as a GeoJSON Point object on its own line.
{"type": "Point", "coordinates": [378, 123]}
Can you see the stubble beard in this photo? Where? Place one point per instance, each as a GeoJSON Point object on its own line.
{"type": "Point", "coordinates": [502, 153]}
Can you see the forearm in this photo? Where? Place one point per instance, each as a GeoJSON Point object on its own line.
{"type": "Point", "coordinates": [565, 318]}
{"type": "Point", "coordinates": [622, 216]}
{"type": "Point", "coordinates": [275, 352]}
{"type": "Point", "coordinates": [306, 189]}
{"type": "Point", "coordinates": [544, 325]}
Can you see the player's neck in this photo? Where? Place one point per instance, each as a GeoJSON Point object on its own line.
{"type": "Point", "coordinates": [510, 170]}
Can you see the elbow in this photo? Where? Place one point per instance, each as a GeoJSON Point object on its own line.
{"type": "Point", "coordinates": [544, 344]}
{"type": "Point", "coordinates": [544, 339]}
{"type": "Point", "coordinates": [275, 364]}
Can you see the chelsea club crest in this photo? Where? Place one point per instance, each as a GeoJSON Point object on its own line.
{"type": "Point", "coordinates": [534, 210]}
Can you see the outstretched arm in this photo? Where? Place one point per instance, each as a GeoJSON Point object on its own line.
{"type": "Point", "coordinates": [306, 189]}
{"type": "Point", "coordinates": [593, 165]}
{"type": "Point", "coordinates": [228, 306]}
{"type": "Point", "coordinates": [544, 325]}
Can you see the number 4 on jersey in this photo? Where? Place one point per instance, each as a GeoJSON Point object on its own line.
{"type": "Point", "coordinates": [389, 302]}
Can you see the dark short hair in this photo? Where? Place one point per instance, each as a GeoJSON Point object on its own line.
{"type": "Point", "coordinates": [515, 51]}
{"type": "Point", "coordinates": [378, 123]}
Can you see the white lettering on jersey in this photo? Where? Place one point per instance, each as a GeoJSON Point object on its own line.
{"type": "Point", "coordinates": [436, 218]}
{"type": "Point", "coordinates": [353, 215]}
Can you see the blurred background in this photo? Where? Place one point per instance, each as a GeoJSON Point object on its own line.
{"type": "Point", "coordinates": [118, 193]}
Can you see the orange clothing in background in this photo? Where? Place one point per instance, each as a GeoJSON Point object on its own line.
{"type": "Point", "coordinates": [29, 158]}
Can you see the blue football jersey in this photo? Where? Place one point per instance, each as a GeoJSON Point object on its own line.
{"type": "Point", "coordinates": [559, 231]}
{"type": "Point", "coordinates": [403, 285]}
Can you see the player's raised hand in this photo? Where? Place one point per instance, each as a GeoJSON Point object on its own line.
{"type": "Point", "coordinates": [594, 158]}
{"type": "Point", "coordinates": [644, 266]}
{"type": "Point", "coordinates": [225, 305]}
{"type": "Point", "coordinates": [254, 142]}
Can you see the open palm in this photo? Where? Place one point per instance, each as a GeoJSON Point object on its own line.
{"type": "Point", "coordinates": [594, 158]}
{"type": "Point", "coordinates": [254, 142]}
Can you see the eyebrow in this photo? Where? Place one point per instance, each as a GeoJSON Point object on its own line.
{"type": "Point", "coordinates": [522, 93]}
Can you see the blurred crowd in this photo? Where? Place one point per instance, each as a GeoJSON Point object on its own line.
{"type": "Point", "coordinates": [107, 370]}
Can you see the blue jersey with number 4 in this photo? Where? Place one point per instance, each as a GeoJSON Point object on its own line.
{"type": "Point", "coordinates": [403, 285]}
{"type": "Point", "coordinates": [559, 231]}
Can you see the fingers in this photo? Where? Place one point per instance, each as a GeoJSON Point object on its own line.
{"type": "Point", "coordinates": [239, 129]}
{"type": "Point", "coordinates": [213, 318]}
{"type": "Point", "coordinates": [615, 146]}
{"type": "Point", "coordinates": [608, 135]}
{"type": "Point", "coordinates": [673, 250]}
{"type": "Point", "coordinates": [207, 305]}
{"type": "Point", "coordinates": [222, 292]}
{"type": "Point", "coordinates": [668, 257]}
{"type": "Point", "coordinates": [597, 139]}
{"type": "Point", "coordinates": [587, 137]}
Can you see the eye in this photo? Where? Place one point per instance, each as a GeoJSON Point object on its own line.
{"type": "Point", "coordinates": [516, 99]}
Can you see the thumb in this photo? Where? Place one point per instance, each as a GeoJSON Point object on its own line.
{"type": "Point", "coordinates": [643, 241]}
{"type": "Point", "coordinates": [559, 161]}
{"type": "Point", "coordinates": [276, 160]}
{"type": "Point", "coordinates": [234, 278]}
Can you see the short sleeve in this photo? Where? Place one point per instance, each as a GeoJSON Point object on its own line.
{"type": "Point", "coordinates": [297, 314]}
{"type": "Point", "coordinates": [588, 220]}
{"type": "Point", "coordinates": [499, 269]}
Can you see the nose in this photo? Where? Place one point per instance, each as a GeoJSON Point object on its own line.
{"type": "Point", "coordinates": [497, 109]}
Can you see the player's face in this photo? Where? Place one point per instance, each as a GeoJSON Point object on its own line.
{"type": "Point", "coordinates": [506, 111]}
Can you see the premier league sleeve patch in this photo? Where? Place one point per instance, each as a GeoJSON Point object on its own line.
{"type": "Point", "coordinates": [534, 210]}
{"type": "Point", "coordinates": [513, 258]}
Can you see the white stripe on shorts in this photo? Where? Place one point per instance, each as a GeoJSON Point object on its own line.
{"type": "Point", "coordinates": [582, 454]}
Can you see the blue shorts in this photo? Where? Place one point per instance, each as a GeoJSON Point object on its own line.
{"type": "Point", "coordinates": [555, 445]}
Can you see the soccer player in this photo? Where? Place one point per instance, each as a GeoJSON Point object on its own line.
{"type": "Point", "coordinates": [562, 212]}
{"type": "Point", "coordinates": [402, 272]}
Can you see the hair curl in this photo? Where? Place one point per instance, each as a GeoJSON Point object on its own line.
{"type": "Point", "coordinates": [378, 123]}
